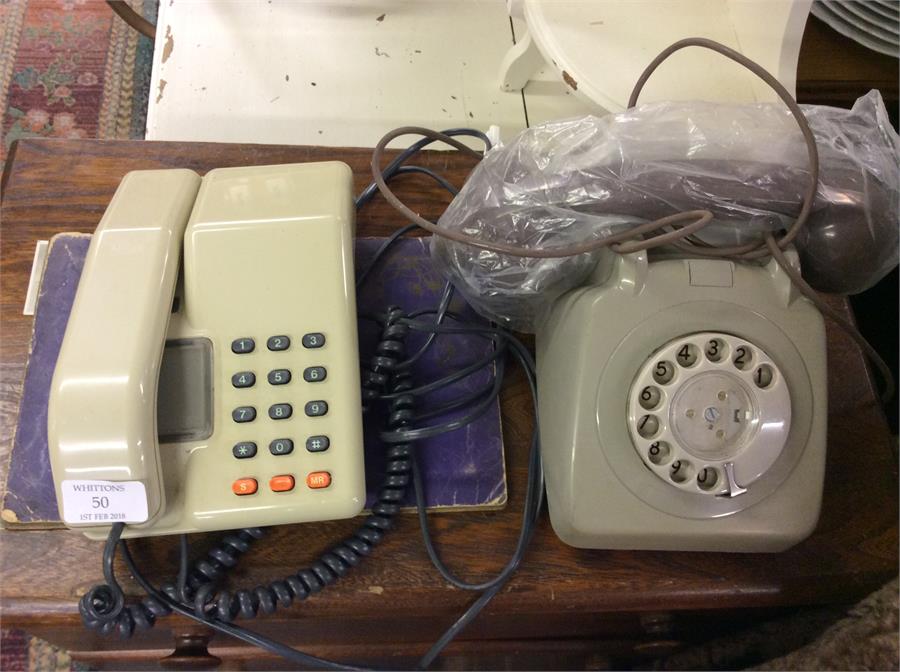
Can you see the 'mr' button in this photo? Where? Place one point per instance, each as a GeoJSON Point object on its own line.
{"type": "Point", "coordinates": [318, 479]}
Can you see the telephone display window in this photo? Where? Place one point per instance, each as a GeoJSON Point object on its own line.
{"type": "Point", "coordinates": [184, 405]}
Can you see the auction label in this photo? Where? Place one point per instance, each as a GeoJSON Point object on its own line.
{"type": "Point", "coordinates": [104, 502]}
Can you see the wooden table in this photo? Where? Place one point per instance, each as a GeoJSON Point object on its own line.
{"type": "Point", "coordinates": [566, 608]}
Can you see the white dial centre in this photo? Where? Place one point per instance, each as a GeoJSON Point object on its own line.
{"type": "Point", "coordinates": [713, 415]}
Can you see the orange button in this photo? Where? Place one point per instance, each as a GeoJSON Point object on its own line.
{"type": "Point", "coordinates": [318, 479]}
{"type": "Point", "coordinates": [281, 483]}
{"type": "Point", "coordinates": [244, 486]}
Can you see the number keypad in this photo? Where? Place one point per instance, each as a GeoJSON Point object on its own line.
{"type": "Point", "coordinates": [279, 362]}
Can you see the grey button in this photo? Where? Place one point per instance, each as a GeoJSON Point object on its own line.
{"type": "Point", "coordinates": [244, 379]}
{"type": "Point", "coordinates": [243, 414]}
{"type": "Point", "coordinates": [316, 444]}
{"type": "Point", "coordinates": [244, 449]}
{"type": "Point", "coordinates": [313, 374]}
{"type": "Point", "coordinates": [281, 447]}
{"type": "Point", "coordinates": [280, 411]}
{"type": "Point", "coordinates": [313, 340]}
{"type": "Point", "coordinates": [278, 343]}
{"type": "Point", "coordinates": [241, 346]}
{"type": "Point", "coordinates": [315, 408]}
{"type": "Point", "coordinates": [279, 377]}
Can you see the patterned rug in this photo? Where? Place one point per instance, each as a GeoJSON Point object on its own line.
{"type": "Point", "coordinates": [68, 69]}
{"type": "Point", "coordinates": [72, 69]}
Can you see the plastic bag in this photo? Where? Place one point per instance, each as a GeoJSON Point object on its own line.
{"type": "Point", "coordinates": [570, 181]}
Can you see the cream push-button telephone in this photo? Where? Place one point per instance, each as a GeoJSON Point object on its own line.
{"type": "Point", "coordinates": [221, 392]}
{"type": "Point", "coordinates": [683, 407]}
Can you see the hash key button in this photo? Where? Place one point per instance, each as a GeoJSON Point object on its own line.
{"type": "Point", "coordinates": [317, 444]}
{"type": "Point", "coordinates": [244, 414]}
{"type": "Point", "coordinates": [316, 408]}
{"type": "Point", "coordinates": [244, 449]}
{"type": "Point", "coordinates": [241, 346]}
{"type": "Point", "coordinates": [313, 340]}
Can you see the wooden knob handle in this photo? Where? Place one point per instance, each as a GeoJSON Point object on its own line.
{"type": "Point", "coordinates": [190, 654]}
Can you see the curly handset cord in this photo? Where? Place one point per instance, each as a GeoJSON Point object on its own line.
{"type": "Point", "coordinates": [674, 229]}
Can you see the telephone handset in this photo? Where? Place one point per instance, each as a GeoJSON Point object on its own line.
{"type": "Point", "coordinates": [683, 407]}
{"type": "Point", "coordinates": [234, 401]}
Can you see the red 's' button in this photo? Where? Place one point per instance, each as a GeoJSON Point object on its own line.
{"type": "Point", "coordinates": [244, 486]}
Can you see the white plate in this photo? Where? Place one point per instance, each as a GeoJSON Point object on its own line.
{"type": "Point", "coordinates": [843, 10]}
{"type": "Point", "coordinates": [892, 7]}
{"type": "Point", "coordinates": [867, 12]}
{"type": "Point", "coordinates": [888, 10]}
{"type": "Point", "coordinates": [823, 13]}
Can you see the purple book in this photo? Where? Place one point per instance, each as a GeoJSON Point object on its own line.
{"type": "Point", "coordinates": [463, 469]}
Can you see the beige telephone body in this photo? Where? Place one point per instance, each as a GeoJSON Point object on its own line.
{"type": "Point", "coordinates": [683, 407]}
{"type": "Point", "coordinates": [233, 401]}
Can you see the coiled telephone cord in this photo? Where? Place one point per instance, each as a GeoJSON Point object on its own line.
{"type": "Point", "coordinates": [103, 607]}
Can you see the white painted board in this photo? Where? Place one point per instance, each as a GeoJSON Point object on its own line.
{"type": "Point", "coordinates": [327, 73]}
